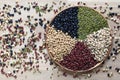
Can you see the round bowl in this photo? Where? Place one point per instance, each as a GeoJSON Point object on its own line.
{"type": "Point", "coordinates": [78, 71]}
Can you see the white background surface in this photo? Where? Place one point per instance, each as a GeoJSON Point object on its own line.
{"type": "Point", "coordinates": [46, 74]}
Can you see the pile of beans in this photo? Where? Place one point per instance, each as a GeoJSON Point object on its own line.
{"type": "Point", "coordinates": [79, 22]}
{"type": "Point", "coordinates": [20, 44]}
{"type": "Point", "coordinates": [78, 55]}
{"type": "Point", "coordinates": [80, 58]}
{"type": "Point", "coordinates": [93, 37]}
{"type": "Point", "coordinates": [67, 21]}
{"type": "Point", "coordinates": [99, 43]}
{"type": "Point", "coordinates": [58, 43]}
{"type": "Point", "coordinates": [89, 21]}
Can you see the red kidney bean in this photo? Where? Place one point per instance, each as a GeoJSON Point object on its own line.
{"type": "Point", "coordinates": [80, 58]}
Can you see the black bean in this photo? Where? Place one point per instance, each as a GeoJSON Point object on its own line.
{"type": "Point", "coordinates": [67, 21]}
{"type": "Point", "coordinates": [25, 8]}
{"type": "Point", "coordinates": [21, 6]}
{"type": "Point", "coordinates": [117, 69]}
{"type": "Point", "coordinates": [35, 46]}
{"type": "Point", "coordinates": [111, 53]}
{"type": "Point", "coordinates": [110, 8]}
{"type": "Point", "coordinates": [51, 62]}
{"type": "Point", "coordinates": [29, 23]}
{"type": "Point", "coordinates": [5, 5]}
{"type": "Point", "coordinates": [12, 15]}
{"type": "Point", "coordinates": [110, 67]}
{"type": "Point", "coordinates": [14, 71]}
{"type": "Point", "coordinates": [3, 8]}
{"type": "Point", "coordinates": [118, 27]}
{"type": "Point", "coordinates": [11, 64]}
{"type": "Point", "coordinates": [114, 49]}
{"type": "Point", "coordinates": [40, 20]}
{"type": "Point", "coordinates": [48, 22]}
{"type": "Point", "coordinates": [33, 6]}
{"type": "Point", "coordinates": [25, 45]}
{"type": "Point", "coordinates": [115, 53]}
{"type": "Point", "coordinates": [10, 21]}
{"type": "Point", "coordinates": [39, 14]}
{"type": "Point", "coordinates": [3, 64]}
{"type": "Point", "coordinates": [45, 25]}
{"type": "Point", "coordinates": [19, 13]}
{"type": "Point", "coordinates": [111, 14]}
{"type": "Point", "coordinates": [84, 3]}
{"type": "Point", "coordinates": [36, 19]}
{"type": "Point", "coordinates": [36, 24]}
{"type": "Point", "coordinates": [0, 64]}
{"type": "Point", "coordinates": [64, 3]}
{"type": "Point", "coordinates": [49, 10]}
{"type": "Point", "coordinates": [28, 9]}
{"type": "Point", "coordinates": [119, 45]}
{"type": "Point", "coordinates": [14, 57]}
{"type": "Point", "coordinates": [40, 23]}
{"type": "Point", "coordinates": [31, 63]}
{"type": "Point", "coordinates": [31, 30]}
{"type": "Point", "coordinates": [10, 46]}
{"type": "Point", "coordinates": [1, 21]}
{"type": "Point", "coordinates": [16, 21]}
{"type": "Point", "coordinates": [14, 10]}
{"type": "Point", "coordinates": [108, 75]}
{"type": "Point", "coordinates": [108, 57]}
{"type": "Point", "coordinates": [8, 14]}
{"type": "Point", "coordinates": [116, 41]}
{"type": "Point", "coordinates": [11, 53]}
{"type": "Point", "coordinates": [28, 16]}
{"type": "Point", "coordinates": [118, 6]}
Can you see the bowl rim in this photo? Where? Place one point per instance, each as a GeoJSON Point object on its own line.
{"type": "Point", "coordinates": [79, 71]}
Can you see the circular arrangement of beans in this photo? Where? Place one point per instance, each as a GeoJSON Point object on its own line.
{"type": "Point", "coordinates": [78, 38]}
